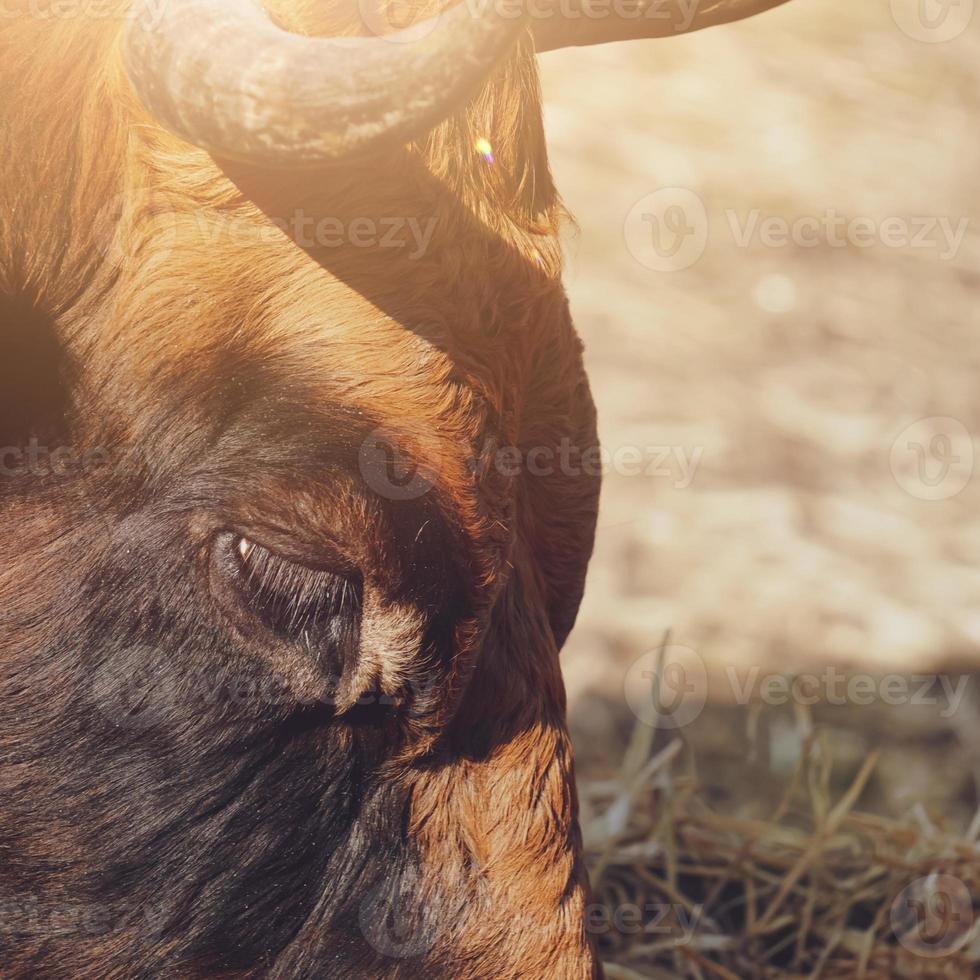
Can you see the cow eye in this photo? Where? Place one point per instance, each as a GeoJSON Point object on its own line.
{"type": "Point", "coordinates": [297, 601]}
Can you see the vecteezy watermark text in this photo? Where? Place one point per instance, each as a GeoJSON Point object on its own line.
{"type": "Point", "coordinates": [670, 229]}
{"type": "Point", "coordinates": [941, 234]}
{"type": "Point", "coordinates": [37, 460]}
{"type": "Point", "coordinates": [835, 687]}
{"type": "Point", "coordinates": [669, 689]}
{"type": "Point", "coordinates": [149, 13]}
{"type": "Point", "coordinates": [396, 468]}
{"type": "Point", "coordinates": [660, 920]}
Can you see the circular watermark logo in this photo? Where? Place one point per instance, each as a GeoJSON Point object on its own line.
{"type": "Point", "coordinates": [397, 924]}
{"type": "Point", "coordinates": [934, 458]}
{"type": "Point", "coordinates": [667, 231]}
{"type": "Point", "coordinates": [135, 689]}
{"type": "Point", "coordinates": [933, 916]}
{"type": "Point", "coordinates": [933, 21]}
{"type": "Point", "coordinates": [396, 21]}
{"type": "Point", "coordinates": [667, 687]}
{"type": "Point", "coordinates": [393, 467]}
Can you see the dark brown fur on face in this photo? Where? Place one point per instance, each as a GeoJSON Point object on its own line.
{"type": "Point", "coordinates": [263, 807]}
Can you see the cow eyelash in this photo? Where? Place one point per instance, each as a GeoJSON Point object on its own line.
{"type": "Point", "coordinates": [295, 600]}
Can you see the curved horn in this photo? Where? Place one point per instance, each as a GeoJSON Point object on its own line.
{"type": "Point", "coordinates": [601, 21]}
{"type": "Point", "coordinates": [221, 75]}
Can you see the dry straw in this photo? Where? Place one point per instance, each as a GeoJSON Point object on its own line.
{"type": "Point", "coordinates": [819, 890]}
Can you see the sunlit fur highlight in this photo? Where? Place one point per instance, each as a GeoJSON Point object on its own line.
{"type": "Point", "coordinates": [115, 231]}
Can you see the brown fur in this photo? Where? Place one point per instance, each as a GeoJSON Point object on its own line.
{"type": "Point", "coordinates": [117, 233]}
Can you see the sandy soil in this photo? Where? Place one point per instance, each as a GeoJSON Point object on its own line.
{"type": "Point", "coordinates": [786, 517]}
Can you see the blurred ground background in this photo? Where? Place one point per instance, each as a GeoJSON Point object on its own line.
{"type": "Point", "coordinates": [818, 529]}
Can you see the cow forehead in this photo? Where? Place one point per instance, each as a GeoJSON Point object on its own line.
{"type": "Point", "coordinates": [272, 352]}
{"type": "Point", "coordinates": [416, 394]}
{"type": "Point", "coordinates": [435, 334]}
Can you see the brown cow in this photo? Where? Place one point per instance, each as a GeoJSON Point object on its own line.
{"type": "Point", "coordinates": [281, 319]}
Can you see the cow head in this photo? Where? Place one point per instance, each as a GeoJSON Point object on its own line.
{"type": "Point", "coordinates": [298, 494]}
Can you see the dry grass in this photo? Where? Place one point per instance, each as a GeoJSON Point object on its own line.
{"type": "Point", "coordinates": [819, 890]}
{"type": "Point", "coordinates": [794, 546]}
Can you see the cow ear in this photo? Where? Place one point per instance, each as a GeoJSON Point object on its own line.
{"type": "Point", "coordinates": [591, 22]}
{"type": "Point", "coordinates": [33, 374]}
